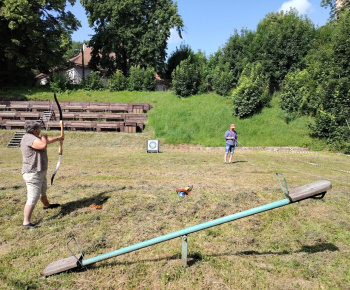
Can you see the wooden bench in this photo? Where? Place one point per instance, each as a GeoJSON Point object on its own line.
{"type": "Point", "coordinates": [317, 188]}
{"type": "Point", "coordinates": [118, 107]}
{"type": "Point", "coordinates": [10, 124]}
{"type": "Point", "coordinates": [19, 106]}
{"type": "Point", "coordinates": [89, 116]}
{"type": "Point", "coordinates": [39, 106]}
{"type": "Point", "coordinates": [9, 115]}
{"type": "Point", "coordinates": [97, 107]}
{"type": "Point", "coordinates": [113, 117]}
{"type": "Point", "coordinates": [74, 107]}
{"type": "Point", "coordinates": [69, 116]}
{"type": "Point", "coordinates": [135, 117]}
{"type": "Point", "coordinates": [110, 126]}
{"type": "Point", "coordinates": [55, 125]}
{"type": "Point", "coordinates": [77, 125]}
{"type": "Point", "coordinates": [28, 115]}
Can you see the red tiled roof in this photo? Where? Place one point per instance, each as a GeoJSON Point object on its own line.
{"type": "Point", "coordinates": [78, 60]}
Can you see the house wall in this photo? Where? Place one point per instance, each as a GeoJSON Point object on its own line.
{"type": "Point", "coordinates": [75, 74]}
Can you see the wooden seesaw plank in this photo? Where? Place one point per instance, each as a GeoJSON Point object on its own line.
{"type": "Point", "coordinates": [309, 190]}
{"type": "Point", "coordinates": [62, 265]}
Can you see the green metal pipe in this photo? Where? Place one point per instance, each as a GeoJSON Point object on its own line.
{"type": "Point", "coordinates": [186, 231]}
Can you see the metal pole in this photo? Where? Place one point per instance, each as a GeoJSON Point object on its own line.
{"type": "Point", "coordinates": [187, 231]}
{"type": "Point", "coordinates": [184, 251]}
{"type": "Point", "coordinates": [82, 60]}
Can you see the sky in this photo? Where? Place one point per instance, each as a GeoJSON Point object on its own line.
{"type": "Point", "coordinates": [208, 24]}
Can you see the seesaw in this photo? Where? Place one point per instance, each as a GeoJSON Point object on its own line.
{"type": "Point", "coordinates": [312, 190]}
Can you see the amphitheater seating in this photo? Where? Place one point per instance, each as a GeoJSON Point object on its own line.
{"type": "Point", "coordinates": [88, 116]}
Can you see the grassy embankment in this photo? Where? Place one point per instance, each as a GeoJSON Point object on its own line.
{"type": "Point", "coordinates": [201, 119]}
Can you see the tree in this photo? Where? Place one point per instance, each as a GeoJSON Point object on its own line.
{"type": "Point", "coordinates": [252, 92]}
{"type": "Point", "coordinates": [322, 89]}
{"type": "Point", "coordinates": [336, 6]}
{"type": "Point", "coordinates": [237, 52]}
{"type": "Point", "coordinates": [74, 49]}
{"type": "Point", "coordinates": [180, 54]}
{"type": "Point", "coordinates": [34, 36]}
{"type": "Point", "coordinates": [223, 80]}
{"type": "Point", "coordinates": [187, 77]}
{"type": "Point", "coordinates": [282, 40]}
{"type": "Point", "coordinates": [135, 32]}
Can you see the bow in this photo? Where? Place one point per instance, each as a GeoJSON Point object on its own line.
{"type": "Point", "coordinates": [60, 150]}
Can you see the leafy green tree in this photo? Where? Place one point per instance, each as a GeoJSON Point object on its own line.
{"type": "Point", "coordinates": [60, 83]}
{"type": "Point", "coordinates": [336, 10]}
{"type": "Point", "coordinates": [34, 36]}
{"type": "Point", "coordinates": [93, 82]}
{"type": "Point", "coordinates": [252, 92]}
{"type": "Point", "coordinates": [281, 42]}
{"type": "Point", "coordinates": [74, 49]}
{"type": "Point", "coordinates": [223, 80]}
{"type": "Point", "coordinates": [180, 54]}
{"type": "Point", "coordinates": [201, 64]}
{"type": "Point", "coordinates": [117, 82]}
{"type": "Point", "coordinates": [237, 52]}
{"type": "Point", "coordinates": [187, 78]}
{"type": "Point", "coordinates": [297, 94]}
{"type": "Point", "coordinates": [141, 79]}
{"type": "Point", "coordinates": [131, 32]}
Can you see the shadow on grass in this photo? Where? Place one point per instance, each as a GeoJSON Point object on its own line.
{"type": "Point", "coordinates": [195, 257]}
{"type": "Point", "coordinates": [239, 161]}
{"type": "Point", "coordinates": [72, 206]}
{"type": "Point", "coordinates": [304, 249]}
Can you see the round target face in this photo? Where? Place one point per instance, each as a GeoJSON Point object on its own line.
{"type": "Point", "coordinates": [152, 146]}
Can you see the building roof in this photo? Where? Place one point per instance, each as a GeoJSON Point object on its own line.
{"type": "Point", "coordinates": [78, 60]}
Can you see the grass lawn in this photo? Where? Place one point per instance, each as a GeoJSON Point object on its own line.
{"type": "Point", "coordinates": [304, 245]}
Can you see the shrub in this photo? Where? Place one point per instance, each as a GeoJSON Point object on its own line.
{"type": "Point", "coordinates": [297, 94]}
{"type": "Point", "coordinates": [252, 92]}
{"type": "Point", "coordinates": [186, 78]}
{"type": "Point", "coordinates": [60, 83]}
{"type": "Point", "coordinates": [93, 81]}
{"type": "Point", "coordinates": [141, 79]}
{"type": "Point", "coordinates": [223, 80]}
{"type": "Point", "coordinates": [176, 57]}
{"type": "Point", "coordinates": [326, 126]}
{"type": "Point", "coordinates": [117, 82]}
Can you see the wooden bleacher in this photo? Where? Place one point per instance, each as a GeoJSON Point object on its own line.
{"type": "Point", "coordinates": [88, 116]}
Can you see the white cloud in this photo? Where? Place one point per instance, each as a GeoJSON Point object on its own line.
{"type": "Point", "coordinates": [301, 5]}
{"type": "Point", "coordinates": [174, 37]}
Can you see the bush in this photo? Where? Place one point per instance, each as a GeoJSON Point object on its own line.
{"type": "Point", "coordinates": [93, 81]}
{"type": "Point", "coordinates": [186, 78]}
{"type": "Point", "coordinates": [60, 83]}
{"type": "Point", "coordinates": [297, 94]}
{"type": "Point", "coordinates": [223, 80]}
{"type": "Point", "coordinates": [117, 82]}
{"type": "Point", "coordinates": [252, 92]}
{"type": "Point", "coordinates": [326, 126]}
{"type": "Point", "coordinates": [176, 57]}
{"type": "Point", "coordinates": [141, 79]}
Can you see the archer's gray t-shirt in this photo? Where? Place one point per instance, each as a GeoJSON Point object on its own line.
{"type": "Point", "coordinates": [33, 160]}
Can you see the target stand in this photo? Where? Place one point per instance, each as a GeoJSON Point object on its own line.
{"type": "Point", "coordinates": [152, 146]}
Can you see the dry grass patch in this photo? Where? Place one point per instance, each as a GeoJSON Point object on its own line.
{"type": "Point", "coordinates": [303, 245]}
